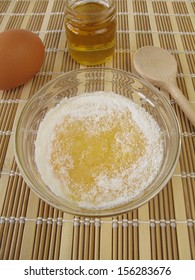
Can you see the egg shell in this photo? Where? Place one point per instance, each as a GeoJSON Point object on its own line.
{"type": "Point", "coordinates": [21, 56]}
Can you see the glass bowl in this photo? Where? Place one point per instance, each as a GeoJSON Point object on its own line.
{"type": "Point", "coordinates": [88, 81]}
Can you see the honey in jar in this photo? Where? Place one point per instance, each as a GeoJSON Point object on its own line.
{"type": "Point", "coordinates": [90, 30]}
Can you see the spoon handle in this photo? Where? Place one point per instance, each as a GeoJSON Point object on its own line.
{"type": "Point", "coordinates": [182, 101]}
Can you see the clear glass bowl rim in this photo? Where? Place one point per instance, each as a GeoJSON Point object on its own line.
{"type": "Point", "coordinates": [104, 212]}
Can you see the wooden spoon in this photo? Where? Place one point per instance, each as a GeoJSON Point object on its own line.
{"type": "Point", "coordinates": [159, 67]}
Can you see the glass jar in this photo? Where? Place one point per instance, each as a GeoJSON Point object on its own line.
{"type": "Point", "coordinates": [90, 29]}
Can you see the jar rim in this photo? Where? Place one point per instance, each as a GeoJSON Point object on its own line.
{"type": "Point", "coordinates": [70, 8]}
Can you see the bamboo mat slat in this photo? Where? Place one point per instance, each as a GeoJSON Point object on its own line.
{"type": "Point", "coordinates": [163, 228]}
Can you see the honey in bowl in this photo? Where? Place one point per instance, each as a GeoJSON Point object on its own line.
{"type": "Point", "coordinates": [98, 150]}
{"type": "Point", "coordinates": [90, 30]}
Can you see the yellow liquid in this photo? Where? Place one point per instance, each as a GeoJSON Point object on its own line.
{"type": "Point", "coordinates": [92, 41]}
{"type": "Point", "coordinates": [82, 152]}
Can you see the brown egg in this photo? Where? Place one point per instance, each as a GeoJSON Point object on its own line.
{"type": "Point", "coordinates": [21, 57]}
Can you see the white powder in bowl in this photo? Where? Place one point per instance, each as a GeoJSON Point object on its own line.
{"type": "Point", "coordinates": [98, 150]}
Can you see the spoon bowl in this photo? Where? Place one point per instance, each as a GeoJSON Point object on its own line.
{"type": "Point", "coordinates": [159, 67]}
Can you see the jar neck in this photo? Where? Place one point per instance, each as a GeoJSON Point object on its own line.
{"type": "Point", "coordinates": [87, 15]}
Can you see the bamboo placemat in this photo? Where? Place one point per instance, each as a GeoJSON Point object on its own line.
{"type": "Point", "coordinates": [164, 228]}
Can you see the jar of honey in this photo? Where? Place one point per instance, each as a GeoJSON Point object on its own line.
{"type": "Point", "coordinates": [90, 30]}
